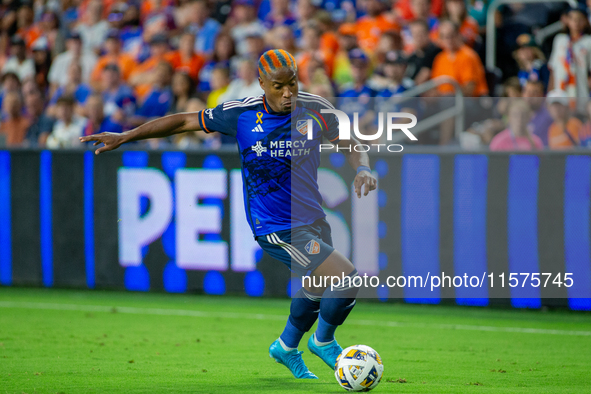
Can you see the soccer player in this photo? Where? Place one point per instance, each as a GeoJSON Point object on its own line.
{"type": "Point", "coordinates": [283, 204]}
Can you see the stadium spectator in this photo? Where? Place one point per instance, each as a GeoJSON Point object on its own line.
{"type": "Point", "coordinates": [220, 80]}
{"type": "Point", "coordinates": [28, 87]}
{"type": "Point", "coordinates": [404, 9]}
{"type": "Point", "coordinates": [517, 135]}
{"type": "Point", "coordinates": [10, 83]}
{"type": "Point", "coordinates": [158, 100]}
{"type": "Point", "coordinates": [4, 45]}
{"type": "Point", "coordinates": [342, 66]}
{"type": "Point", "coordinates": [27, 29]}
{"type": "Point", "coordinates": [247, 83]}
{"type": "Point", "coordinates": [144, 74]}
{"type": "Point", "coordinates": [52, 34]}
{"type": "Point", "coordinates": [457, 12]}
{"type": "Point", "coordinates": [282, 37]}
{"type": "Point", "coordinates": [531, 61]}
{"type": "Point", "coordinates": [371, 26]}
{"type": "Point", "coordinates": [203, 27]}
{"type": "Point", "coordinates": [69, 13]}
{"type": "Point", "coordinates": [533, 94]}
{"type": "Point", "coordinates": [305, 11]}
{"type": "Point", "coordinates": [356, 97]}
{"type": "Point", "coordinates": [97, 122]}
{"type": "Point", "coordinates": [244, 23]}
{"type": "Point", "coordinates": [459, 62]}
{"type": "Point", "coordinates": [113, 55]}
{"type": "Point", "coordinates": [222, 55]}
{"type": "Point", "coordinates": [511, 90]}
{"type": "Point", "coordinates": [14, 126]}
{"type": "Point", "coordinates": [119, 100]}
{"type": "Point", "coordinates": [87, 60]}
{"type": "Point", "coordinates": [570, 62]}
{"type": "Point", "coordinates": [182, 91]}
{"type": "Point", "coordinates": [420, 62]}
{"type": "Point", "coordinates": [42, 61]}
{"type": "Point", "coordinates": [159, 16]}
{"type": "Point", "coordinates": [18, 62]}
{"type": "Point", "coordinates": [255, 46]}
{"type": "Point", "coordinates": [74, 88]}
{"type": "Point", "coordinates": [389, 41]}
{"type": "Point", "coordinates": [421, 12]}
{"type": "Point", "coordinates": [68, 126]}
{"type": "Point", "coordinates": [280, 14]}
{"type": "Point", "coordinates": [131, 31]}
{"type": "Point", "coordinates": [329, 41]}
{"type": "Point", "coordinates": [40, 125]}
{"type": "Point", "coordinates": [311, 50]}
{"type": "Point", "coordinates": [185, 59]}
{"type": "Point", "coordinates": [563, 133]}
{"type": "Point", "coordinates": [394, 82]}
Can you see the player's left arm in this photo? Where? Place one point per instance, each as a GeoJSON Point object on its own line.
{"type": "Point", "coordinates": [360, 162]}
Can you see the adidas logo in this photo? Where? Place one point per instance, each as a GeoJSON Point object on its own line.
{"type": "Point", "coordinates": [258, 129]}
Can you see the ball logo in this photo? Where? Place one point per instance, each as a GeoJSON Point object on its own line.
{"type": "Point", "coordinates": [312, 247]}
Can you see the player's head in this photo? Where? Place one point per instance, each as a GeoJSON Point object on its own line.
{"type": "Point", "coordinates": [278, 79]}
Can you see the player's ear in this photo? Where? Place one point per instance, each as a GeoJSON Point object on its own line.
{"type": "Point", "coordinates": [262, 83]}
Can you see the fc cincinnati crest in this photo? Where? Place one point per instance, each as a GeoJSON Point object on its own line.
{"type": "Point", "coordinates": [302, 126]}
{"type": "Point", "coordinates": [312, 247]}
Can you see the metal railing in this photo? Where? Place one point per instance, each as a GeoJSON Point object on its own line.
{"type": "Point", "coordinates": [548, 31]}
{"type": "Point", "coordinates": [491, 30]}
{"type": "Point", "coordinates": [457, 111]}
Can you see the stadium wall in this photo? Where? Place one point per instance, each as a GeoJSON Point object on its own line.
{"type": "Point", "coordinates": [174, 221]}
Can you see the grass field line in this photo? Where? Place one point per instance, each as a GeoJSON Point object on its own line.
{"type": "Point", "coordinates": [261, 316]}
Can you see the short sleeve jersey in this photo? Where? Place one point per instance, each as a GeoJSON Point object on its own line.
{"type": "Point", "coordinates": [280, 156]}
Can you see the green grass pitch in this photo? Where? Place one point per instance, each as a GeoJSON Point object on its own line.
{"type": "Point", "coordinates": [65, 341]}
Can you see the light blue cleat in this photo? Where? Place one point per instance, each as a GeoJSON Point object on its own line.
{"type": "Point", "coordinates": [292, 360]}
{"type": "Point", "coordinates": [327, 353]}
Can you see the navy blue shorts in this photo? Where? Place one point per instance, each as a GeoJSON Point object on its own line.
{"type": "Point", "coordinates": [302, 248]}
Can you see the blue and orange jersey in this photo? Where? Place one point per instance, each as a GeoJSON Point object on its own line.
{"type": "Point", "coordinates": [279, 159]}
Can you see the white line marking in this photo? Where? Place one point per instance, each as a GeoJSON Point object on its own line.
{"type": "Point", "coordinates": [261, 316]}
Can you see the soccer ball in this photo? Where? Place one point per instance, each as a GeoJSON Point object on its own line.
{"type": "Point", "coordinates": [358, 368]}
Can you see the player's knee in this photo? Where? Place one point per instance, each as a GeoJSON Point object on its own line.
{"type": "Point", "coordinates": [304, 310]}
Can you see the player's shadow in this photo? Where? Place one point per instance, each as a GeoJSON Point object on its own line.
{"type": "Point", "coordinates": [283, 384]}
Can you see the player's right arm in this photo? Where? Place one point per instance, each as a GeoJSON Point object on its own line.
{"type": "Point", "coordinates": [159, 128]}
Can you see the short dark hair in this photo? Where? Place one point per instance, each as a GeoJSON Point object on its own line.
{"type": "Point", "coordinates": [421, 22]}
{"type": "Point", "coordinates": [66, 100]}
{"type": "Point", "coordinates": [452, 23]}
{"type": "Point", "coordinates": [10, 74]}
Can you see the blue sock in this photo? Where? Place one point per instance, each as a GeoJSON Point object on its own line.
{"type": "Point", "coordinates": [325, 331]}
{"type": "Point", "coordinates": [291, 336]}
{"type": "Point", "coordinates": [335, 306]}
{"type": "Point", "coordinates": [303, 314]}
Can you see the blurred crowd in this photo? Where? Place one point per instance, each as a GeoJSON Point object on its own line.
{"type": "Point", "coordinates": [77, 67]}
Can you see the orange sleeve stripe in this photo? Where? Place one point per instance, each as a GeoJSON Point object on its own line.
{"type": "Point", "coordinates": [203, 122]}
{"type": "Point", "coordinates": [333, 140]}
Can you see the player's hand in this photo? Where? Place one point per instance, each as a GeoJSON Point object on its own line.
{"type": "Point", "coordinates": [367, 179]}
{"type": "Point", "coordinates": [110, 140]}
